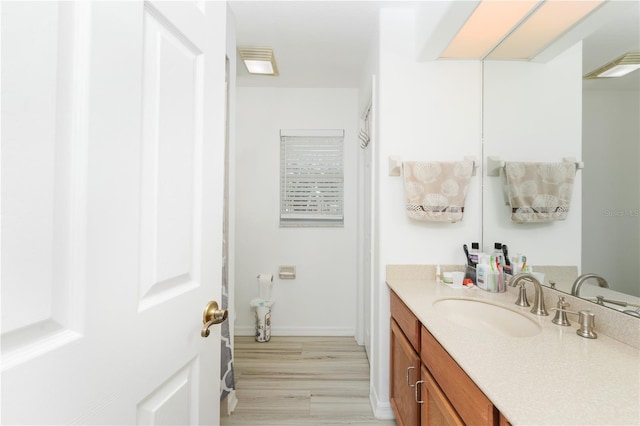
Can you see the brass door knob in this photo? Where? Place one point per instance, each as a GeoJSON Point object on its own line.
{"type": "Point", "coordinates": [212, 315]}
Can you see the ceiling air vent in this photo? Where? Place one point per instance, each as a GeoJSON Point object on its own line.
{"type": "Point", "coordinates": [259, 60]}
{"type": "Point", "coordinates": [620, 66]}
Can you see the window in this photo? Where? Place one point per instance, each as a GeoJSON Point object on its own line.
{"type": "Point", "coordinates": [311, 178]}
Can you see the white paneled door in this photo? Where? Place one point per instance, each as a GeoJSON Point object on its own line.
{"type": "Point", "coordinates": [112, 189]}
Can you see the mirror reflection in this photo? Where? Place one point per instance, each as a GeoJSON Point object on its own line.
{"type": "Point", "coordinates": [544, 112]}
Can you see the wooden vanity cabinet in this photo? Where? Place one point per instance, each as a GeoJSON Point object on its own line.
{"type": "Point", "coordinates": [427, 386]}
{"type": "Point", "coordinates": [405, 371]}
{"type": "Point", "coordinates": [405, 363]}
{"type": "Point", "coordinates": [469, 402]}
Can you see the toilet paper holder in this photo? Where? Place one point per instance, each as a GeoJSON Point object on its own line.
{"type": "Point", "coordinates": [287, 272]}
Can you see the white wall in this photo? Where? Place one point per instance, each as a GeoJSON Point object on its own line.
{"type": "Point", "coordinates": [611, 223]}
{"type": "Point", "coordinates": [322, 299]}
{"type": "Point", "coordinates": [427, 111]}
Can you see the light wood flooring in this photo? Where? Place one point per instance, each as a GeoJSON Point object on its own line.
{"type": "Point", "coordinates": [301, 381]}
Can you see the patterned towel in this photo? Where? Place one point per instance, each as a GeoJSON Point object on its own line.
{"type": "Point", "coordinates": [539, 192]}
{"type": "Point", "coordinates": [436, 191]}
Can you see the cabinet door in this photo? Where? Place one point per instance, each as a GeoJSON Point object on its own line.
{"type": "Point", "coordinates": [464, 395]}
{"type": "Point", "coordinates": [435, 408]}
{"type": "Point", "coordinates": [405, 371]}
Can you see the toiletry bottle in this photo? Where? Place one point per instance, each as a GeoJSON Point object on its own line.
{"type": "Point", "coordinates": [473, 254]}
{"type": "Point", "coordinates": [438, 274]}
{"type": "Point", "coordinates": [482, 271]}
{"type": "Point", "coordinates": [497, 252]}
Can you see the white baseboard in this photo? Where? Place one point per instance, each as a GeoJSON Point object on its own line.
{"type": "Point", "coordinates": [298, 331]}
{"type": "Point", "coordinates": [381, 409]}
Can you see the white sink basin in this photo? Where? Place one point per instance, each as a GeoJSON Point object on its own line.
{"type": "Point", "coordinates": [485, 316]}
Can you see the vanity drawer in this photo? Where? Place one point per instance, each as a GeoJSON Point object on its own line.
{"type": "Point", "coordinates": [468, 400]}
{"type": "Point", "coordinates": [436, 408]}
{"type": "Point", "coordinates": [406, 320]}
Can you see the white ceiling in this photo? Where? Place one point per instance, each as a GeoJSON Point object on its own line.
{"type": "Point", "coordinates": [325, 43]}
{"type": "Point", "coordinates": [316, 43]}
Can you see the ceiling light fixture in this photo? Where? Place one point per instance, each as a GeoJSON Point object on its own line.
{"type": "Point", "coordinates": [487, 26]}
{"type": "Point", "coordinates": [551, 20]}
{"type": "Point", "coordinates": [259, 60]}
{"type": "Point", "coordinates": [516, 29]}
{"type": "Point", "coordinates": [620, 66]}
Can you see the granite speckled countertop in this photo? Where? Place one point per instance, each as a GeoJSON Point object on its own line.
{"type": "Point", "coordinates": [553, 378]}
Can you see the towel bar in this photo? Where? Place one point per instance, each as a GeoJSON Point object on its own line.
{"type": "Point", "coordinates": [495, 164]}
{"type": "Point", "coordinates": [395, 165]}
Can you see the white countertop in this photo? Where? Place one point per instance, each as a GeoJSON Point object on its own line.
{"type": "Point", "coordinates": [553, 378]}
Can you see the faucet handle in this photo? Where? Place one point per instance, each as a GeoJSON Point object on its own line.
{"type": "Point", "coordinates": [561, 313]}
{"type": "Point", "coordinates": [522, 296]}
{"type": "Point", "coordinates": [562, 303]}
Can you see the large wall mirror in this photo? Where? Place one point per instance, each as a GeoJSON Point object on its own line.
{"type": "Point", "coordinates": [545, 111]}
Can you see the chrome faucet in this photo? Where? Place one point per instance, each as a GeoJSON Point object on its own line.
{"type": "Point", "coordinates": [575, 288]}
{"type": "Point", "coordinates": [538, 303]}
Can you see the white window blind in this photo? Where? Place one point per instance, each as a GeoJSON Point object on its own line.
{"type": "Point", "coordinates": [311, 178]}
